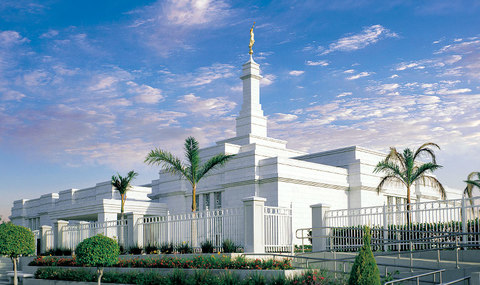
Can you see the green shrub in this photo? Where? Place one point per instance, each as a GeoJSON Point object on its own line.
{"type": "Point", "coordinates": [184, 248]}
{"type": "Point", "coordinates": [151, 249]}
{"type": "Point", "coordinates": [229, 246]}
{"type": "Point", "coordinates": [207, 246]}
{"type": "Point", "coordinates": [98, 251]}
{"type": "Point", "coordinates": [255, 279]}
{"type": "Point", "coordinates": [16, 241]}
{"type": "Point", "coordinates": [135, 250]}
{"type": "Point", "coordinates": [365, 270]}
{"type": "Point", "coordinates": [167, 248]}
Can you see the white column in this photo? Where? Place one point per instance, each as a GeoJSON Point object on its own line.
{"type": "Point", "coordinates": [135, 230]}
{"type": "Point", "coordinates": [319, 230]}
{"type": "Point", "coordinates": [254, 230]}
{"type": "Point", "coordinates": [110, 231]}
{"type": "Point", "coordinates": [59, 241]}
{"type": "Point", "coordinates": [43, 237]}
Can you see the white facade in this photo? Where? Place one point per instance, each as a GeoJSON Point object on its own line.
{"type": "Point", "coordinates": [263, 167]}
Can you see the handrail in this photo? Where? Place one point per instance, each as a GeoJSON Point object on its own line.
{"type": "Point", "coordinates": [417, 277]}
{"type": "Point", "coordinates": [458, 280]}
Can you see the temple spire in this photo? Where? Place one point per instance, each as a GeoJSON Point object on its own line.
{"type": "Point", "coordinates": [251, 120]}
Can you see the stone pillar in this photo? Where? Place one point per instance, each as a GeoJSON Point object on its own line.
{"type": "Point", "coordinates": [58, 239]}
{"type": "Point", "coordinates": [254, 231]}
{"type": "Point", "coordinates": [43, 237]}
{"type": "Point", "coordinates": [319, 230]}
{"type": "Point", "coordinates": [134, 230]}
{"type": "Point", "coordinates": [110, 231]}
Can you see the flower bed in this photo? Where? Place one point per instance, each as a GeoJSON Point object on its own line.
{"type": "Point", "coordinates": [197, 262]}
{"type": "Point", "coordinates": [179, 277]}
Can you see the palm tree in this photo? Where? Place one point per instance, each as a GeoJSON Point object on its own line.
{"type": "Point", "coordinates": [471, 183]}
{"type": "Point", "coordinates": [122, 184]}
{"type": "Point", "coordinates": [405, 169]}
{"type": "Point", "coordinates": [192, 171]}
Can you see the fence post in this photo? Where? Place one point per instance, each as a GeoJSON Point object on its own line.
{"type": "Point", "coordinates": [43, 238]}
{"type": "Point", "coordinates": [464, 222]}
{"type": "Point", "coordinates": [134, 230]}
{"type": "Point", "coordinates": [319, 229]}
{"type": "Point", "coordinates": [254, 231]}
{"type": "Point", "coordinates": [58, 234]}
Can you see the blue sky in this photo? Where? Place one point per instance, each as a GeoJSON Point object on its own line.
{"type": "Point", "coordinates": [87, 88]}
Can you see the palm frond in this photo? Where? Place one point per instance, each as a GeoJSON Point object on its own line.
{"type": "Point", "coordinates": [422, 169]}
{"type": "Point", "coordinates": [169, 163]}
{"type": "Point", "coordinates": [434, 183]}
{"type": "Point", "coordinates": [390, 168]}
{"type": "Point", "coordinates": [426, 149]}
{"type": "Point", "coordinates": [386, 179]}
{"type": "Point", "coordinates": [471, 183]}
{"type": "Point", "coordinates": [212, 163]}
{"type": "Point", "coordinates": [394, 156]}
{"type": "Point", "coordinates": [193, 157]}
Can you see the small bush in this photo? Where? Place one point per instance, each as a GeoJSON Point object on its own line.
{"type": "Point", "coordinates": [135, 250]}
{"type": "Point", "coordinates": [184, 248]}
{"type": "Point", "coordinates": [229, 246]}
{"type": "Point", "coordinates": [167, 248]}
{"type": "Point", "coordinates": [207, 246]}
{"type": "Point", "coordinates": [365, 270]}
{"type": "Point", "coordinates": [255, 279]}
{"type": "Point", "coordinates": [151, 249]}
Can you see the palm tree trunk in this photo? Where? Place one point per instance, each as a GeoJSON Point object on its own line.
{"type": "Point", "coordinates": [194, 221]}
{"type": "Point", "coordinates": [408, 205]}
{"type": "Point", "coordinates": [194, 200]}
{"type": "Point", "coordinates": [121, 237]}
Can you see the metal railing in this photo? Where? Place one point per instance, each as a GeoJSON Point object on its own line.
{"type": "Point", "coordinates": [72, 235]}
{"type": "Point", "coordinates": [210, 225]}
{"type": "Point", "coordinates": [418, 276]}
{"type": "Point", "coordinates": [278, 229]}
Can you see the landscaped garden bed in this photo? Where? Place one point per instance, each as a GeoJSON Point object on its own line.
{"type": "Point", "coordinates": [199, 261]}
{"type": "Point", "coordinates": [47, 275]}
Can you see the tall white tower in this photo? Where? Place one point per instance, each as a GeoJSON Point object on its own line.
{"type": "Point", "coordinates": [251, 120]}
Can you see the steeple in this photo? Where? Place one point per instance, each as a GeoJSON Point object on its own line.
{"type": "Point", "coordinates": [251, 120]}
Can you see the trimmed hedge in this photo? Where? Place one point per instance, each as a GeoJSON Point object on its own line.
{"type": "Point", "coordinates": [197, 262]}
{"type": "Point", "coordinates": [179, 277]}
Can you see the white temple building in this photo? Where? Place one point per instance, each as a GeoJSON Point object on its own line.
{"type": "Point", "coordinates": [263, 166]}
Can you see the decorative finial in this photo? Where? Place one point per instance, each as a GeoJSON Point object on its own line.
{"type": "Point", "coordinates": [252, 40]}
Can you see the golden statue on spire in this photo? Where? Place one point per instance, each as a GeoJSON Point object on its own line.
{"type": "Point", "coordinates": [252, 40]}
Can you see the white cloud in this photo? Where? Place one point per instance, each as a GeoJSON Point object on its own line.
{"type": "Point", "coordinates": [48, 35]}
{"type": "Point", "coordinates": [104, 82]}
{"type": "Point", "coordinates": [207, 107]}
{"type": "Point", "coordinates": [10, 38]}
{"type": "Point", "coordinates": [360, 75]}
{"type": "Point", "coordinates": [145, 94]}
{"type": "Point", "coordinates": [296, 72]}
{"type": "Point", "coordinates": [267, 79]}
{"type": "Point", "coordinates": [454, 91]}
{"type": "Point", "coordinates": [36, 78]}
{"type": "Point", "coordinates": [368, 36]}
{"type": "Point", "coordinates": [394, 76]}
{"type": "Point", "coordinates": [11, 95]}
{"type": "Point", "coordinates": [280, 117]}
{"type": "Point", "coordinates": [206, 75]}
{"type": "Point", "coordinates": [343, 94]}
{"type": "Point", "coordinates": [194, 12]}
{"type": "Point", "coordinates": [348, 71]}
{"type": "Point", "coordinates": [316, 63]}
